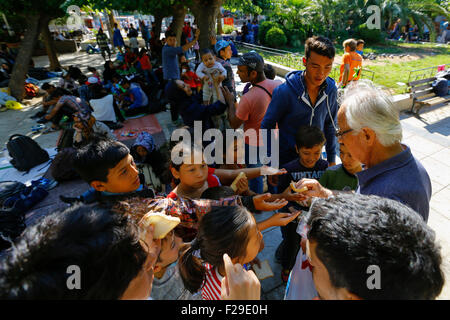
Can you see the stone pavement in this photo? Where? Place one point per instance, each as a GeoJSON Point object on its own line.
{"type": "Point", "coordinates": [427, 137]}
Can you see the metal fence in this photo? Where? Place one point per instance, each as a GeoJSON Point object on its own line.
{"type": "Point", "coordinates": [293, 59]}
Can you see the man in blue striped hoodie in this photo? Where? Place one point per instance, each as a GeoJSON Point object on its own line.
{"type": "Point", "coordinates": [308, 97]}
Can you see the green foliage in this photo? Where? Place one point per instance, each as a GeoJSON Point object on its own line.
{"type": "Point", "coordinates": [370, 36]}
{"type": "Point", "coordinates": [227, 29]}
{"type": "Point", "coordinates": [275, 37]}
{"type": "Point", "coordinates": [264, 27]}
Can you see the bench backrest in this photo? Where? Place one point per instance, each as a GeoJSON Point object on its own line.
{"type": "Point", "coordinates": [420, 88]}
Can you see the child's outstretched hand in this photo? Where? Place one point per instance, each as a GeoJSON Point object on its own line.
{"type": "Point", "coordinates": [269, 171]}
{"type": "Point", "coordinates": [260, 203]}
{"type": "Point", "coordinates": [282, 218]}
{"type": "Point", "coordinates": [238, 283]}
{"type": "Point", "coordinates": [289, 195]}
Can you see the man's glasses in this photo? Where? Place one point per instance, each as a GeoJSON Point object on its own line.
{"type": "Point", "coordinates": [340, 134]}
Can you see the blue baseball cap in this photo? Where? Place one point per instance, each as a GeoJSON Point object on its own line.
{"type": "Point", "coordinates": [221, 44]}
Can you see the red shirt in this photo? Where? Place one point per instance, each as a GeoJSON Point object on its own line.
{"type": "Point", "coordinates": [145, 62]}
{"type": "Point", "coordinates": [192, 79]}
{"type": "Point", "coordinates": [213, 181]}
{"type": "Point", "coordinates": [211, 289]}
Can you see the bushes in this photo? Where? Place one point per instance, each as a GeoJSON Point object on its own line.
{"type": "Point", "coordinates": [370, 36]}
{"type": "Point", "coordinates": [227, 29]}
{"type": "Point", "coordinates": [264, 27]}
{"type": "Point", "coordinates": [275, 37]}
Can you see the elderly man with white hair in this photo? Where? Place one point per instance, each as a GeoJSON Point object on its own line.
{"type": "Point", "coordinates": [370, 128]}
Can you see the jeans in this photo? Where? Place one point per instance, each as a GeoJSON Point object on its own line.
{"type": "Point", "coordinates": [257, 184]}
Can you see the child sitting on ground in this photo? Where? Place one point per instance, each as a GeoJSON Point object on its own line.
{"type": "Point", "coordinates": [146, 67]}
{"type": "Point", "coordinates": [190, 77]}
{"type": "Point", "coordinates": [309, 144]}
{"type": "Point", "coordinates": [231, 230]}
{"type": "Point", "coordinates": [95, 73]}
{"type": "Point", "coordinates": [212, 74]}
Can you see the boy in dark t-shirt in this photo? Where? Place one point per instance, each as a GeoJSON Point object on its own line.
{"type": "Point", "coordinates": [309, 143]}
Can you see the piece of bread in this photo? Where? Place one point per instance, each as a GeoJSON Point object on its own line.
{"type": "Point", "coordinates": [161, 222]}
{"type": "Point", "coordinates": [305, 188]}
{"type": "Point", "coordinates": [235, 181]}
{"type": "Point", "coordinates": [264, 272]}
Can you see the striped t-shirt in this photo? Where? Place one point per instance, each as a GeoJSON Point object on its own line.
{"type": "Point", "coordinates": [212, 284]}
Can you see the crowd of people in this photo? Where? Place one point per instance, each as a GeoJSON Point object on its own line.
{"type": "Point", "coordinates": [336, 220]}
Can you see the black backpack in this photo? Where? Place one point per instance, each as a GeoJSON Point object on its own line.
{"type": "Point", "coordinates": [25, 152]}
{"type": "Point", "coordinates": [10, 188]}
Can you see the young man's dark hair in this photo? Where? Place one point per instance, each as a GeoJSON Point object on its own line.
{"type": "Point", "coordinates": [47, 86]}
{"type": "Point", "coordinates": [309, 136]}
{"type": "Point", "coordinates": [93, 161]}
{"type": "Point", "coordinates": [320, 45]}
{"type": "Point", "coordinates": [360, 41]}
{"type": "Point", "coordinates": [59, 92]}
{"type": "Point", "coordinates": [350, 232]}
{"type": "Point", "coordinates": [217, 193]}
{"type": "Point", "coordinates": [103, 245]}
{"type": "Point", "coordinates": [170, 33]}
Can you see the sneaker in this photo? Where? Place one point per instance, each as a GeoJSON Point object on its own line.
{"type": "Point", "coordinates": [279, 252]}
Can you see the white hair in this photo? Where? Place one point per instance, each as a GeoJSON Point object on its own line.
{"type": "Point", "coordinates": [371, 107]}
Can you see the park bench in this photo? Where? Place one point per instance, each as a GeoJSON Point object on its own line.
{"type": "Point", "coordinates": [423, 96]}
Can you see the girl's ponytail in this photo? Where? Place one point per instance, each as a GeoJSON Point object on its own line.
{"type": "Point", "coordinates": [192, 270]}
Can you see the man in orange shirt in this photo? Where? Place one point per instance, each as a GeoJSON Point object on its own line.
{"type": "Point", "coordinates": [351, 66]}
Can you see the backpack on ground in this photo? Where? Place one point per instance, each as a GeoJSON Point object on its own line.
{"type": "Point", "coordinates": [31, 90]}
{"type": "Point", "coordinates": [25, 152]}
{"type": "Point", "coordinates": [10, 188]}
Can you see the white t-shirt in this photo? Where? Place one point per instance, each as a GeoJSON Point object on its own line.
{"type": "Point", "coordinates": [103, 108]}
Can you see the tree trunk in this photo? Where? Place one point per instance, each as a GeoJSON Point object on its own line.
{"type": "Point", "coordinates": [20, 69]}
{"type": "Point", "coordinates": [179, 12]}
{"type": "Point", "coordinates": [110, 20]}
{"type": "Point", "coordinates": [205, 13]}
{"type": "Point", "coordinates": [219, 23]}
{"type": "Point", "coordinates": [158, 24]}
{"type": "Point", "coordinates": [49, 45]}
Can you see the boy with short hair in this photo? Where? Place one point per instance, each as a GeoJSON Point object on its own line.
{"type": "Point", "coordinates": [108, 167]}
{"type": "Point", "coordinates": [351, 63]}
{"type": "Point", "coordinates": [360, 47]}
{"type": "Point", "coordinates": [309, 142]}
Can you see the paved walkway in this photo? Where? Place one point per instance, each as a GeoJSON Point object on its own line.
{"type": "Point", "coordinates": [428, 139]}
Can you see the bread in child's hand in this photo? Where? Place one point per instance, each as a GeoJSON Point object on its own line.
{"type": "Point", "coordinates": [264, 272]}
{"type": "Point", "coordinates": [305, 188]}
{"type": "Point", "coordinates": [233, 185]}
{"type": "Point", "coordinates": [162, 223]}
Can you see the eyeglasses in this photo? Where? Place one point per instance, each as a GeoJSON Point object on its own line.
{"type": "Point", "coordinates": [340, 134]}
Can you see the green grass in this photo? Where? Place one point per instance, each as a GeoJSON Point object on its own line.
{"type": "Point", "coordinates": [389, 74]}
